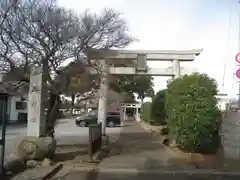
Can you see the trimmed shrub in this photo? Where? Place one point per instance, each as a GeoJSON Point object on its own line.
{"type": "Point", "coordinates": [192, 112]}
{"type": "Point", "coordinates": [146, 112]}
{"type": "Point", "coordinates": [158, 112]}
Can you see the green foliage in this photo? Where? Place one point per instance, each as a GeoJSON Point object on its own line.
{"type": "Point", "coordinates": [146, 112]}
{"type": "Point", "coordinates": [158, 108]}
{"type": "Point", "coordinates": [193, 116]}
{"type": "Point", "coordinates": [154, 113]}
{"type": "Point", "coordinates": [127, 97]}
{"type": "Point", "coordinates": [122, 83]}
{"type": "Point", "coordinates": [142, 85]}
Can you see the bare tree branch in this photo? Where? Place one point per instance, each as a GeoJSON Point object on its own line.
{"type": "Point", "coordinates": [39, 32]}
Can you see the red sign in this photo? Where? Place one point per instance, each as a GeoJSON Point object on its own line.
{"type": "Point", "coordinates": [237, 58]}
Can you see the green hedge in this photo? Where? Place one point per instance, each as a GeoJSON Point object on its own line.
{"type": "Point", "coordinates": [146, 112]}
{"type": "Point", "coordinates": [158, 112]}
{"type": "Point", "coordinates": [154, 113]}
{"type": "Point", "coordinates": [193, 116]}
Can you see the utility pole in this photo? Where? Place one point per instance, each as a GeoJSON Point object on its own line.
{"type": "Point", "coordinates": [238, 44]}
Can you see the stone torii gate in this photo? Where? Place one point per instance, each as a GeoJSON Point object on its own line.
{"type": "Point", "coordinates": [134, 62]}
{"type": "Point", "coordinates": [116, 62]}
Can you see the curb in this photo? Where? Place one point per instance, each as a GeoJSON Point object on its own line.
{"type": "Point", "coordinates": [102, 153]}
{"type": "Point", "coordinates": [150, 128]}
{"type": "Point", "coordinates": [173, 151]}
{"type": "Point", "coordinates": [98, 156]}
{"type": "Point", "coordinates": [147, 128]}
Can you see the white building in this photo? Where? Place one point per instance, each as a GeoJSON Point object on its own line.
{"type": "Point", "coordinates": [17, 108]}
{"type": "Point", "coordinates": [223, 101]}
{"type": "Point", "coordinates": [13, 99]}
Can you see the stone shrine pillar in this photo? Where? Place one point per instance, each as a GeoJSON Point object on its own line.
{"type": "Point", "coordinates": [36, 110]}
{"type": "Point", "coordinates": [102, 105]}
{"type": "Point", "coordinates": [176, 68]}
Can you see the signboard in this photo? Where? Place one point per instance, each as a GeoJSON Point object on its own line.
{"type": "Point", "coordinates": [238, 73]}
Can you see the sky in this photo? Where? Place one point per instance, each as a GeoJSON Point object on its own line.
{"type": "Point", "coordinates": [178, 25]}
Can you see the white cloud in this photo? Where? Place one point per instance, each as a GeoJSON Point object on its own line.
{"type": "Point", "coordinates": [163, 25]}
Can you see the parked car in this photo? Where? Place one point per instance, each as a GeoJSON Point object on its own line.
{"type": "Point", "coordinates": [113, 119]}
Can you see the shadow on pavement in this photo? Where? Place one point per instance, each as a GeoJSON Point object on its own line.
{"type": "Point", "coordinates": [62, 122]}
{"type": "Point", "coordinates": [94, 174]}
{"type": "Point", "coordinates": [137, 144]}
{"type": "Point", "coordinates": [69, 152]}
{"type": "Point", "coordinates": [16, 125]}
{"type": "Point", "coordinates": [134, 140]}
{"type": "Point", "coordinates": [66, 156]}
{"type": "Point", "coordinates": [124, 125]}
{"type": "Point", "coordinates": [163, 176]}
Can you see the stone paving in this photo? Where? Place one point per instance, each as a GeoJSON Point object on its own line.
{"type": "Point", "coordinates": [135, 175]}
{"type": "Point", "coordinates": [138, 155]}
{"type": "Point", "coordinates": [137, 149]}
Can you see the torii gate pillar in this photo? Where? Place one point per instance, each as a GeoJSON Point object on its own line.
{"type": "Point", "coordinates": [176, 68]}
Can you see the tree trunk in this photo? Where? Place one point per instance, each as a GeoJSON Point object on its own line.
{"type": "Point", "coordinates": [51, 117]}
{"type": "Point", "coordinates": [72, 102]}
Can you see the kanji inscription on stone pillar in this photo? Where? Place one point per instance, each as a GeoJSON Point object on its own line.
{"type": "Point", "coordinates": [36, 120]}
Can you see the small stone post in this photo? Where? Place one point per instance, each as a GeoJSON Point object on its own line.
{"type": "Point", "coordinates": [36, 110]}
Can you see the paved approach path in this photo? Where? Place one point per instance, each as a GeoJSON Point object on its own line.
{"type": "Point", "coordinates": [137, 149]}
{"type": "Point", "coordinates": [138, 156]}
{"type": "Point", "coordinates": [134, 153]}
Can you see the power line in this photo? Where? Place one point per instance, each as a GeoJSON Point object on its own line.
{"type": "Point", "coordinates": [226, 44]}
{"type": "Point", "coordinates": [238, 50]}
{"type": "Point", "coordinates": [238, 46]}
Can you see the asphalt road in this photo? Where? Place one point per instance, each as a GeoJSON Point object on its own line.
{"type": "Point", "coordinates": [66, 133]}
